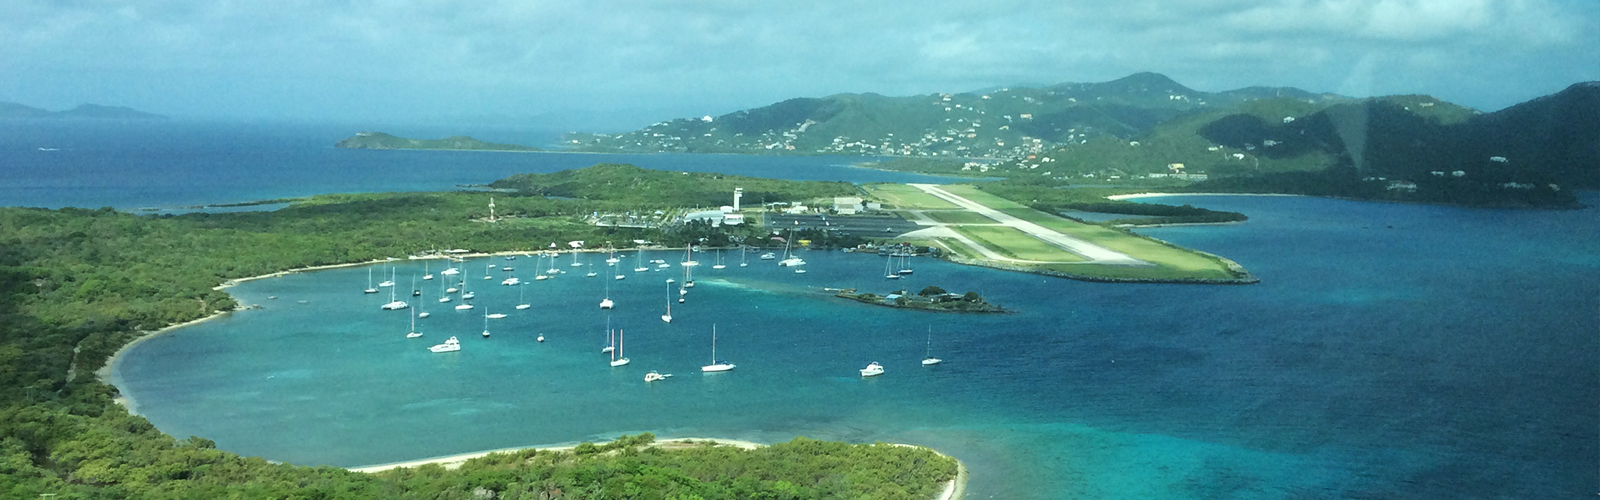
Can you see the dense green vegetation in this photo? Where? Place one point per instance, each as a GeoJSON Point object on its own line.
{"type": "Point", "coordinates": [380, 140]}
{"type": "Point", "coordinates": [931, 298]}
{"type": "Point", "coordinates": [645, 187]}
{"type": "Point", "coordinates": [77, 284]}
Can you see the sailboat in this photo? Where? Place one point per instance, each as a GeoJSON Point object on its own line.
{"type": "Point", "coordinates": [553, 271]}
{"type": "Point", "coordinates": [606, 302]}
{"type": "Point", "coordinates": [444, 290]}
{"type": "Point", "coordinates": [486, 324]}
{"type": "Point", "coordinates": [688, 257]}
{"type": "Point", "coordinates": [927, 354]}
{"type": "Point", "coordinates": [716, 366]}
{"type": "Point", "coordinates": [488, 267]}
{"type": "Point", "coordinates": [369, 289]}
{"type": "Point", "coordinates": [575, 258]}
{"type": "Point", "coordinates": [688, 276]}
{"type": "Point", "coordinates": [414, 333]}
{"type": "Point", "coordinates": [520, 304]}
{"type": "Point", "coordinates": [719, 261]}
{"type": "Point", "coordinates": [426, 275]}
{"type": "Point", "coordinates": [904, 269]}
{"type": "Point", "coordinates": [394, 304]}
{"type": "Point", "coordinates": [387, 282]}
{"type": "Point", "coordinates": [450, 270]}
{"type": "Point", "coordinates": [611, 345]}
{"type": "Point", "coordinates": [592, 272]}
{"type": "Point", "coordinates": [611, 259]}
{"type": "Point", "coordinates": [887, 274]}
{"type": "Point", "coordinates": [464, 296]}
{"type": "Point", "coordinates": [421, 313]}
{"type": "Point", "coordinates": [742, 253]}
{"type": "Point", "coordinates": [788, 258]}
{"type": "Point", "coordinates": [641, 267]}
{"type": "Point", "coordinates": [667, 318]}
{"type": "Point", "coordinates": [617, 358]}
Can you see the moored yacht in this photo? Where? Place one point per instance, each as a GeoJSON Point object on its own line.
{"type": "Point", "coordinates": [449, 345]}
{"type": "Point", "coordinates": [872, 370]}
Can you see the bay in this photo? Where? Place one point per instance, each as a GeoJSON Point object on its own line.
{"type": "Point", "coordinates": [176, 166]}
{"type": "Point", "coordinates": [1390, 351]}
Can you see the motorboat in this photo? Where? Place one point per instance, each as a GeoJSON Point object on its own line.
{"type": "Point", "coordinates": [449, 345]}
{"type": "Point", "coordinates": [872, 370]}
{"type": "Point", "coordinates": [653, 376]}
{"type": "Point", "coordinates": [512, 281]}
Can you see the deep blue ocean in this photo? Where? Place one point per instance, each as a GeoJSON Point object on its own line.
{"type": "Point", "coordinates": [1390, 351]}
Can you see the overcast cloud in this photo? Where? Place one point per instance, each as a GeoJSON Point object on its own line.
{"type": "Point", "coordinates": [622, 64]}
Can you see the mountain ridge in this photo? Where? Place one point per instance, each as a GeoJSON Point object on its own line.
{"type": "Point", "coordinates": [81, 111]}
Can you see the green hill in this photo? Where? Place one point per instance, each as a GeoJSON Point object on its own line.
{"type": "Point", "coordinates": [380, 140]}
{"type": "Point", "coordinates": [640, 186]}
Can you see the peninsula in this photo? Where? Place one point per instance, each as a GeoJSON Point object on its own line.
{"type": "Point", "coordinates": [380, 140]}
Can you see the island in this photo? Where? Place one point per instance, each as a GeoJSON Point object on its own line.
{"type": "Point", "coordinates": [931, 298]}
{"type": "Point", "coordinates": [380, 140]}
{"type": "Point", "coordinates": [82, 112]}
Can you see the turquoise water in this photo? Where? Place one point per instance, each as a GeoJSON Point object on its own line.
{"type": "Point", "coordinates": [178, 164]}
{"type": "Point", "coordinates": [1390, 351]}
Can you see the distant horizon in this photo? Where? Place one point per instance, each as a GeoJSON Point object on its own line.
{"type": "Point", "coordinates": [615, 125]}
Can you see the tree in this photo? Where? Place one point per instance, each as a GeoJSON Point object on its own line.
{"type": "Point", "coordinates": [930, 291]}
{"type": "Point", "coordinates": [972, 297]}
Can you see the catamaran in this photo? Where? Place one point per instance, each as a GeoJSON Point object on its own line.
{"type": "Point", "coordinates": [606, 302]}
{"type": "Point", "coordinates": [716, 366]}
{"type": "Point", "coordinates": [788, 258]}
{"type": "Point", "coordinates": [617, 358]}
{"type": "Point", "coordinates": [388, 282]}
{"type": "Point", "coordinates": [394, 304]}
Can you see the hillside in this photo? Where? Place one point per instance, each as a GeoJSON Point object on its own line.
{"type": "Point", "coordinates": [641, 186]}
{"type": "Point", "coordinates": [1011, 122]}
{"type": "Point", "coordinates": [380, 140]}
{"type": "Point", "coordinates": [83, 111]}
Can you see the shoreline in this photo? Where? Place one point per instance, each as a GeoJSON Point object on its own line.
{"type": "Point", "coordinates": [953, 489]}
{"type": "Point", "coordinates": [1132, 196]}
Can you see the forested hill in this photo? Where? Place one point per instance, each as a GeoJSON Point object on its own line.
{"type": "Point", "coordinates": [380, 140]}
{"type": "Point", "coordinates": [1005, 122]}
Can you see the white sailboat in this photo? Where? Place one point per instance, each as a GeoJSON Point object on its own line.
{"type": "Point", "coordinates": [927, 353]}
{"type": "Point", "coordinates": [716, 366]}
{"type": "Point", "coordinates": [904, 269]}
{"type": "Point", "coordinates": [688, 257]}
{"type": "Point", "coordinates": [888, 274]}
{"type": "Point", "coordinates": [743, 252]}
{"type": "Point", "coordinates": [449, 345]}
{"type": "Point", "coordinates": [789, 259]}
{"type": "Point", "coordinates": [872, 370]}
{"type": "Point", "coordinates": [611, 256]}
{"type": "Point", "coordinates": [445, 290]}
{"type": "Point", "coordinates": [592, 272]}
{"type": "Point", "coordinates": [719, 265]}
{"type": "Point", "coordinates": [369, 289]}
{"type": "Point", "coordinates": [426, 275]}
{"type": "Point", "coordinates": [520, 303]}
{"type": "Point", "coordinates": [575, 258]}
{"type": "Point", "coordinates": [421, 313]}
{"type": "Point", "coordinates": [488, 269]}
{"type": "Point", "coordinates": [667, 318]}
{"type": "Point", "coordinates": [617, 359]}
{"type": "Point", "coordinates": [641, 267]}
{"type": "Point", "coordinates": [388, 282]}
{"type": "Point", "coordinates": [606, 302]}
{"type": "Point", "coordinates": [553, 271]}
{"type": "Point", "coordinates": [394, 305]}
{"type": "Point", "coordinates": [414, 333]}
{"type": "Point", "coordinates": [611, 344]}
{"type": "Point", "coordinates": [486, 323]}
{"type": "Point", "coordinates": [465, 295]}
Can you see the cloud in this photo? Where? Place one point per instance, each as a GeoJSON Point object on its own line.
{"type": "Point", "coordinates": [409, 59]}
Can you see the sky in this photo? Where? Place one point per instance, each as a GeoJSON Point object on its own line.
{"type": "Point", "coordinates": [618, 65]}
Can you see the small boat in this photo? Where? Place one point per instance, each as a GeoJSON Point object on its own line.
{"type": "Point", "coordinates": [663, 265]}
{"type": "Point", "coordinates": [768, 256]}
{"type": "Point", "coordinates": [716, 366]}
{"type": "Point", "coordinates": [520, 304]}
{"type": "Point", "coordinates": [426, 276]}
{"type": "Point", "coordinates": [540, 339]}
{"type": "Point", "coordinates": [508, 269]}
{"type": "Point", "coordinates": [486, 323]}
{"type": "Point", "coordinates": [799, 271]}
{"type": "Point", "coordinates": [653, 376]}
{"type": "Point", "coordinates": [369, 289]}
{"type": "Point", "coordinates": [463, 307]}
{"type": "Point", "coordinates": [611, 344]}
{"type": "Point", "coordinates": [592, 274]}
{"type": "Point", "coordinates": [667, 318]}
{"type": "Point", "coordinates": [450, 272]}
{"type": "Point", "coordinates": [575, 258]}
{"type": "Point", "coordinates": [424, 314]}
{"type": "Point", "coordinates": [616, 357]}
{"type": "Point", "coordinates": [512, 281]}
{"type": "Point", "coordinates": [469, 295]}
{"type": "Point", "coordinates": [414, 333]}
{"type": "Point", "coordinates": [449, 345]}
{"type": "Point", "coordinates": [905, 269]}
{"type": "Point", "coordinates": [388, 282]}
{"type": "Point", "coordinates": [742, 254]}
{"type": "Point", "coordinates": [452, 290]}
{"type": "Point", "coordinates": [872, 370]}
{"type": "Point", "coordinates": [496, 316]}
{"type": "Point", "coordinates": [622, 276]}
{"type": "Point", "coordinates": [719, 265]}
{"type": "Point", "coordinates": [394, 305]}
{"type": "Point", "coordinates": [886, 273]}
{"type": "Point", "coordinates": [511, 257]}
{"type": "Point", "coordinates": [641, 267]}
{"type": "Point", "coordinates": [444, 299]}
{"type": "Point", "coordinates": [541, 277]}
